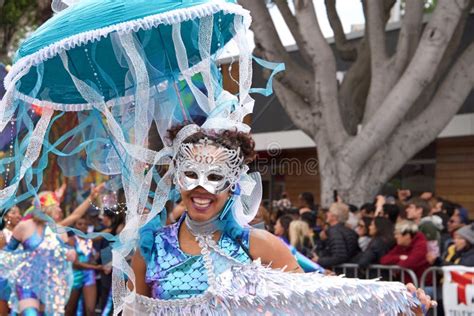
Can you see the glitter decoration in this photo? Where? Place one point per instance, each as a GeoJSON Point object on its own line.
{"type": "Point", "coordinates": [40, 268]}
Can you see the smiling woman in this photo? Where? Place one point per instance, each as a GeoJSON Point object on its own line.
{"type": "Point", "coordinates": [208, 168]}
{"type": "Point", "coordinates": [211, 262]}
{"type": "Point", "coordinates": [209, 165]}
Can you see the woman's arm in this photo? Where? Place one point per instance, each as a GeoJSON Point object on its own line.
{"type": "Point", "coordinates": [139, 268]}
{"type": "Point", "coordinates": [272, 251]}
{"type": "Point", "coordinates": [86, 266]}
{"type": "Point", "coordinates": [82, 209]}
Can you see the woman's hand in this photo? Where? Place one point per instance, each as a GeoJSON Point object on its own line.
{"type": "Point", "coordinates": [425, 300]}
{"type": "Point", "coordinates": [96, 191]}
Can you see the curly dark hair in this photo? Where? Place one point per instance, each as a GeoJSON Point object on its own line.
{"type": "Point", "coordinates": [230, 139]}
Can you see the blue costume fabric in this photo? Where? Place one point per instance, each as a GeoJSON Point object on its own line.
{"type": "Point", "coordinates": [5, 290]}
{"type": "Point", "coordinates": [304, 262]}
{"type": "Point", "coordinates": [41, 252]}
{"type": "Point", "coordinates": [174, 274]}
{"type": "Point", "coordinates": [84, 250]}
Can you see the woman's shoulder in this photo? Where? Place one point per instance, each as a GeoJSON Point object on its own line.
{"type": "Point", "coordinates": [262, 241]}
{"type": "Point", "coordinates": [271, 250]}
{"type": "Point", "coordinates": [153, 236]}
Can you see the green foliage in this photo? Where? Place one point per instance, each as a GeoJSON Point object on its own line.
{"type": "Point", "coordinates": [13, 10]}
{"type": "Point", "coordinates": [430, 5]}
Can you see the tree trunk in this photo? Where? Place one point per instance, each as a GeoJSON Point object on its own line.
{"type": "Point", "coordinates": [349, 188]}
{"type": "Point", "coordinates": [403, 100]}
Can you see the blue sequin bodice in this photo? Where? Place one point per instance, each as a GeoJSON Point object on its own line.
{"type": "Point", "coordinates": [32, 242]}
{"type": "Point", "coordinates": [173, 274]}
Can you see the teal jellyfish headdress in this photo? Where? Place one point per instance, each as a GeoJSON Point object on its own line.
{"type": "Point", "coordinates": [125, 69]}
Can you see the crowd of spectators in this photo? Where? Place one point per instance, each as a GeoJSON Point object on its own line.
{"type": "Point", "coordinates": [413, 232]}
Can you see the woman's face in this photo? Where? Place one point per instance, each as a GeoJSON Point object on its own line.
{"type": "Point", "coordinates": [81, 224]}
{"type": "Point", "coordinates": [55, 212]}
{"type": "Point", "coordinates": [107, 221]}
{"type": "Point", "coordinates": [202, 205]}
{"type": "Point", "coordinates": [372, 229]}
{"type": "Point", "coordinates": [205, 173]}
{"type": "Point", "coordinates": [403, 239]}
{"type": "Point", "coordinates": [361, 229]}
{"type": "Point", "coordinates": [14, 216]}
{"type": "Point", "coordinates": [279, 230]}
{"type": "Point", "coordinates": [459, 242]}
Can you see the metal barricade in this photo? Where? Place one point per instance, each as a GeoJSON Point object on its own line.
{"type": "Point", "coordinates": [436, 275]}
{"type": "Point", "coordinates": [376, 271]}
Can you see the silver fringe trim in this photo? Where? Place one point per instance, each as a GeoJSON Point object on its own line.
{"type": "Point", "coordinates": [256, 290]}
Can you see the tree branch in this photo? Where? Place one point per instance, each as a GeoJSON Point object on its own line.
{"type": "Point", "coordinates": [298, 78]}
{"type": "Point", "coordinates": [299, 111]}
{"type": "Point", "coordinates": [414, 135]}
{"type": "Point", "coordinates": [380, 84]}
{"type": "Point", "coordinates": [418, 75]}
{"type": "Point", "coordinates": [346, 50]}
{"type": "Point", "coordinates": [325, 65]}
{"type": "Point", "coordinates": [292, 24]}
{"type": "Point", "coordinates": [379, 58]}
{"type": "Point", "coordinates": [409, 34]}
{"type": "Point", "coordinates": [354, 89]}
{"type": "Point", "coordinates": [427, 94]}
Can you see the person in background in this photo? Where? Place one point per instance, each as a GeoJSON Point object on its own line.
{"type": "Point", "coordinates": [353, 219]}
{"type": "Point", "coordinates": [418, 211]}
{"type": "Point", "coordinates": [84, 272]}
{"type": "Point", "coordinates": [284, 203]}
{"type": "Point", "coordinates": [310, 218]}
{"type": "Point", "coordinates": [454, 223]}
{"type": "Point", "coordinates": [341, 244]}
{"type": "Point", "coordinates": [462, 213]}
{"type": "Point", "coordinates": [306, 203]}
{"type": "Point", "coordinates": [410, 251]}
{"type": "Point", "coordinates": [382, 234]}
{"type": "Point", "coordinates": [114, 221]}
{"type": "Point", "coordinates": [282, 228]}
{"type": "Point", "coordinates": [301, 237]}
{"type": "Point", "coordinates": [38, 273]}
{"type": "Point", "coordinates": [362, 230]}
{"type": "Point", "coordinates": [9, 222]}
{"type": "Point", "coordinates": [391, 212]}
{"type": "Point", "coordinates": [10, 219]}
{"type": "Point", "coordinates": [94, 223]}
{"type": "Point", "coordinates": [403, 195]}
{"type": "Point", "coordinates": [367, 210]}
{"type": "Point", "coordinates": [462, 251]}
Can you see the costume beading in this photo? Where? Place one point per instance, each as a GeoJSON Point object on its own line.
{"type": "Point", "coordinates": [173, 274]}
{"type": "Point", "coordinates": [39, 271]}
{"type": "Point", "coordinates": [4, 287]}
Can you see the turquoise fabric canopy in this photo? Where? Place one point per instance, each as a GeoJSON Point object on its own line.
{"type": "Point", "coordinates": [85, 32]}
